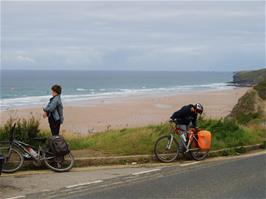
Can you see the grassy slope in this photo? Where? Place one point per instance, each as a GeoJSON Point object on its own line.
{"type": "Point", "coordinates": [248, 108]}
{"type": "Point", "coordinates": [251, 106]}
{"type": "Point", "coordinates": [261, 89]}
{"type": "Point", "coordinates": [133, 141]}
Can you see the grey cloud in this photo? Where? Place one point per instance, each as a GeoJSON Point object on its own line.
{"type": "Point", "coordinates": [128, 36]}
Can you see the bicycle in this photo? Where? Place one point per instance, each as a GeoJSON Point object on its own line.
{"type": "Point", "coordinates": [18, 151]}
{"type": "Point", "coordinates": [166, 148]}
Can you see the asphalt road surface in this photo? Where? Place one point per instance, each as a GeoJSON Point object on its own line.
{"type": "Point", "coordinates": [243, 178]}
{"type": "Point", "coordinates": [226, 177]}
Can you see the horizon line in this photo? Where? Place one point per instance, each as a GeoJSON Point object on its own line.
{"type": "Point", "coordinates": [118, 70]}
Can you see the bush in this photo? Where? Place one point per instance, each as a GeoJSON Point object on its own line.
{"type": "Point", "coordinates": [25, 130]}
{"type": "Point", "coordinates": [228, 133]}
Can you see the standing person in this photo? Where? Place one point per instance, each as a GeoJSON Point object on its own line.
{"type": "Point", "coordinates": [54, 110]}
{"type": "Point", "coordinates": [183, 117]}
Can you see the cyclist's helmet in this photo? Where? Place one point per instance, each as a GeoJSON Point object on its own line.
{"type": "Point", "coordinates": [199, 108]}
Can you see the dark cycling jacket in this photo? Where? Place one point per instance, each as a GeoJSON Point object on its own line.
{"type": "Point", "coordinates": [185, 116]}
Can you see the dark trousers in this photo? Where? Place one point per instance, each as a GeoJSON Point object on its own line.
{"type": "Point", "coordinates": [54, 125]}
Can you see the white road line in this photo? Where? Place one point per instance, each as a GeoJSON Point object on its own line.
{"type": "Point", "coordinates": [183, 165]}
{"type": "Point", "coordinates": [16, 197]}
{"type": "Point", "coordinates": [143, 172]}
{"type": "Point", "coordinates": [82, 184]}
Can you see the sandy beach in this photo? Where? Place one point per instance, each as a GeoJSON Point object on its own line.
{"type": "Point", "coordinates": [133, 111]}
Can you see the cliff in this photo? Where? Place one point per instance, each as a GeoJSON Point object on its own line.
{"type": "Point", "coordinates": [249, 78]}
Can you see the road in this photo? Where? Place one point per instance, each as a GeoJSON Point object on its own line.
{"type": "Point", "coordinates": [233, 177]}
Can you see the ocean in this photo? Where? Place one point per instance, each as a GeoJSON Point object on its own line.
{"type": "Point", "coordinates": [24, 88]}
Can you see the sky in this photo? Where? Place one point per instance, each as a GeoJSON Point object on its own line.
{"type": "Point", "coordinates": [179, 36]}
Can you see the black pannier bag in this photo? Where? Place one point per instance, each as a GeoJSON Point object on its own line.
{"type": "Point", "coordinates": [58, 145]}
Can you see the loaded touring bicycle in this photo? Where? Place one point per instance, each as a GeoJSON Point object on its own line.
{"type": "Point", "coordinates": [167, 147]}
{"type": "Point", "coordinates": [15, 152]}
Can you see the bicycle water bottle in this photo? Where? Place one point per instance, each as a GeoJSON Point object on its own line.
{"type": "Point", "coordinates": [32, 152]}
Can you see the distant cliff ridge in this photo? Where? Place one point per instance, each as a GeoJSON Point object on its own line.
{"type": "Point", "coordinates": [249, 78]}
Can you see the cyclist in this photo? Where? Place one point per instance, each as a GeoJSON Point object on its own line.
{"type": "Point", "coordinates": [54, 110]}
{"type": "Point", "coordinates": [183, 117]}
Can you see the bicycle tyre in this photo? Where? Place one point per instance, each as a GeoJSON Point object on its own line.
{"type": "Point", "coordinates": [156, 146]}
{"type": "Point", "coordinates": [5, 170]}
{"type": "Point", "coordinates": [195, 157]}
{"type": "Point", "coordinates": [72, 161]}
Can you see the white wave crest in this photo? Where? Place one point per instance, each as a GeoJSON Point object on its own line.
{"type": "Point", "coordinates": [29, 101]}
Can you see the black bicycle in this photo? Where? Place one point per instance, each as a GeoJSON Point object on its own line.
{"type": "Point", "coordinates": [16, 152]}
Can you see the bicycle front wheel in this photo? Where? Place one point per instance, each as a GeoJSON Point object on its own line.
{"type": "Point", "coordinates": [59, 163]}
{"type": "Point", "coordinates": [166, 149]}
{"type": "Point", "coordinates": [13, 160]}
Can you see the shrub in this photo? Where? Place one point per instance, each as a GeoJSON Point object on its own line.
{"type": "Point", "coordinates": [228, 133]}
{"type": "Point", "coordinates": [25, 130]}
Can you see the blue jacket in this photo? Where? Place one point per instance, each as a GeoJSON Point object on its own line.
{"type": "Point", "coordinates": [55, 109]}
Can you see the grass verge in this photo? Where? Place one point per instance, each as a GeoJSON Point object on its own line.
{"type": "Point", "coordinates": [137, 141]}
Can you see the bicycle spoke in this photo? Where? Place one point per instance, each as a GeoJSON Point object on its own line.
{"type": "Point", "coordinates": [13, 160]}
{"type": "Point", "coordinates": [166, 149]}
{"type": "Point", "coordinates": [63, 163]}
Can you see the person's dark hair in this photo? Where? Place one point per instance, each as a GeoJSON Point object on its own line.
{"type": "Point", "coordinates": [57, 88]}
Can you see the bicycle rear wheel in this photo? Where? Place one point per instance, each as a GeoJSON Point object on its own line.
{"type": "Point", "coordinates": [13, 160]}
{"type": "Point", "coordinates": [166, 150]}
{"type": "Point", "coordinates": [59, 163]}
{"type": "Point", "coordinates": [198, 154]}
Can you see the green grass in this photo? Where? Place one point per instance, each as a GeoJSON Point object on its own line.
{"type": "Point", "coordinates": [251, 76]}
{"type": "Point", "coordinates": [261, 89]}
{"type": "Point", "coordinates": [121, 142]}
{"type": "Point", "coordinates": [248, 108]}
{"type": "Point", "coordinates": [225, 133]}
{"type": "Point", "coordinates": [134, 141]}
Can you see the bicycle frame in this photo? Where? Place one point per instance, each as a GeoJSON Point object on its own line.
{"type": "Point", "coordinates": [43, 154]}
{"type": "Point", "coordinates": [23, 148]}
{"type": "Point", "coordinates": [191, 137]}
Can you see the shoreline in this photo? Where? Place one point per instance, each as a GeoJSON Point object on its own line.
{"type": "Point", "coordinates": [22, 102]}
{"type": "Point", "coordinates": [114, 97]}
{"type": "Point", "coordinates": [138, 110]}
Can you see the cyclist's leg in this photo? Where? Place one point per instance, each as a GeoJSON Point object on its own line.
{"type": "Point", "coordinates": [181, 143]}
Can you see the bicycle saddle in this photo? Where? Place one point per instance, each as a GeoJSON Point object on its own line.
{"type": "Point", "coordinates": [40, 139]}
